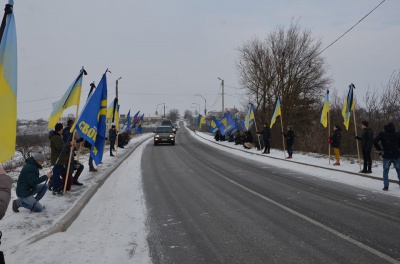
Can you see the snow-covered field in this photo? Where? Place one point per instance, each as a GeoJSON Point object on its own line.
{"type": "Point", "coordinates": [111, 228]}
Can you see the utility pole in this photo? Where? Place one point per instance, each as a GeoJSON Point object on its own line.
{"type": "Point", "coordinates": [222, 84]}
{"type": "Point", "coordinates": [164, 111]}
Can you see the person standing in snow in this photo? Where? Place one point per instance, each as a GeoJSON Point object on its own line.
{"type": "Point", "coordinates": [29, 183]}
{"type": "Point", "coordinates": [112, 136]}
{"type": "Point", "coordinates": [366, 139]}
{"type": "Point", "coordinates": [390, 141]}
{"type": "Point", "coordinates": [266, 135]}
{"type": "Point", "coordinates": [289, 141]}
{"type": "Point", "coordinates": [334, 140]}
{"type": "Point", "coordinates": [5, 191]}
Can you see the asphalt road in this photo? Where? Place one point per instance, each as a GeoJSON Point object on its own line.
{"type": "Point", "coordinates": [207, 206]}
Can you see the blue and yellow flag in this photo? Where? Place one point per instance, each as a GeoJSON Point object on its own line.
{"type": "Point", "coordinates": [214, 125]}
{"type": "Point", "coordinates": [226, 124]}
{"type": "Point", "coordinates": [91, 124]}
{"type": "Point", "coordinates": [139, 125]}
{"type": "Point", "coordinates": [200, 120]}
{"type": "Point", "coordinates": [277, 113]}
{"type": "Point", "coordinates": [235, 125]}
{"type": "Point", "coordinates": [71, 97]}
{"type": "Point", "coordinates": [325, 110]}
{"type": "Point", "coordinates": [8, 84]}
{"type": "Point", "coordinates": [244, 127]}
{"type": "Point", "coordinates": [249, 120]}
{"type": "Point", "coordinates": [348, 106]}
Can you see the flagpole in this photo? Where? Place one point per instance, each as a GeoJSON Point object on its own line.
{"type": "Point", "coordinates": [256, 129]}
{"type": "Point", "coordinates": [355, 129]}
{"type": "Point", "coordinates": [72, 146]}
{"type": "Point", "coordinates": [116, 131]}
{"type": "Point", "coordinates": [329, 134]}
{"type": "Point", "coordinates": [283, 138]}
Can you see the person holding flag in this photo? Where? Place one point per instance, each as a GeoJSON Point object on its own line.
{"type": "Point", "coordinates": [366, 139]}
{"type": "Point", "coordinates": [266, 135]}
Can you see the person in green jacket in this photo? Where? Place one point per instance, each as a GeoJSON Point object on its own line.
{"type": "Point", "coordinates": [30, 183]}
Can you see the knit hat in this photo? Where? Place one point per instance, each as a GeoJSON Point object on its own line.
{"type": "Point", "coordinates": [39, 157]}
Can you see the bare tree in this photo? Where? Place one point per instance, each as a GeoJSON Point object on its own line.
{"type": "Point", "coordinates": [285, 65]}
{"type": "Point", "coordinates": [173, 115]}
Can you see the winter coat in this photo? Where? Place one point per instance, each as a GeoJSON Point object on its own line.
{"type": "Point", "coordinates": [29, 178]}
{"type": "Point", "coordinates": [289, 137]}
{"type": "Point", "coordinates": [336, 137]}
{"type": "Point", "coordinates": [266, 133]}
{"type": "Point", "coordinates": [5, 193]}
{"type": "Point", "coordinates": [56, 146]}
{"type": "Point", "coordinates": [390, 141]}
{"type": "Point", "coordinates": [367, 139]}
{"type": "Point", "coordinates": [112, 135]}
{"type": "Point", "coordinates": [248, 137]}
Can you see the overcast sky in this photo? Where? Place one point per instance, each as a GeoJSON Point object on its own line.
{"type": "Point", "coordinates": [169, 51]}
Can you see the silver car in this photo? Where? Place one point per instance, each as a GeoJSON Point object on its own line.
{"type": "Point", "coordinates": [164, 134]}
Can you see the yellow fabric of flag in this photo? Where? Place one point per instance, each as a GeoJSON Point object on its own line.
{"type": "Point", "coordinates": [277, 113]}
{"type": "Point", "coordinates": [325, 111]}
{"type": "Point", "coordinates": [8, 85]}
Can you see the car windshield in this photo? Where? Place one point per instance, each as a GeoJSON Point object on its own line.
{"type": "Point", "coordinates": [164, 130]}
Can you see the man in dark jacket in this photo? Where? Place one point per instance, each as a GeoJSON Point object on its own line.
{"type": "Point", "coordinates": [390, 141]}
{"type": "Point", "coordinates": [366, 139]}
{"type": "Point", "coordinates": [5, 191]}
{"type": "Point", "coordinates": [29, 183]}
{"type": "Point", "coordinates": [59, 157]}
{"type": "Point", "coordinates": [266, 134]}
{"type": "Point", "coordinates": [75, 165]}
{"type": "Point", "coordinates": [289, 141]}
{"type": "Point", "coordinates": [112, 136]}
{"type": "Point", "coordinates": [334, 140]}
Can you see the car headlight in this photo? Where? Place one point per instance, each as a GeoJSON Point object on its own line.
{"type": "Point", "coordinates": [157, 136]}
{"type": "Point", "coordinates": [171, 136]}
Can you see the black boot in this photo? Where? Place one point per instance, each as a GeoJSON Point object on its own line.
{"type": "Point", "coordinates": [75, 181]}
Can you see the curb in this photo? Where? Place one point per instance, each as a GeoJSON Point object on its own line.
{"type": "Point", "coordinates": [302, 163]}
{"type": "Point", "coordinates": [66, 221]}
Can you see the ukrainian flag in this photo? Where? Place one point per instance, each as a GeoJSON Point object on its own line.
{"type": "Point", "coordinates": [277, 113]}
{"type": "Point", "coordinates": [325, 110]}
{"type": "Point", "coordinates": [248, 121]}
{"type": "Point", "coordinates": [200, 120]}
{"type": "Point", "coordinates": [8, 84]}
{"type": "Point", "coordinates": [71, 97]}
{"type": "Point", "coordinates": [348, 106]}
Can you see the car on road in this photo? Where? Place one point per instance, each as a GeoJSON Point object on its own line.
{"type": "Point", "coordinates": [168, 122]}
{"type": "Point", "coordinates": [164, 134]}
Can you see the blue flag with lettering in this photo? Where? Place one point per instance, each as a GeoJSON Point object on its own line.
{"type": "Point", "coordinates": [226, 124]}
{"type": "Point", "coordinates": [128, 121]}
{"type": "Point", "coordinates": [236, 126]}
{"type": "Point", "coordinates": [91, 124]}
{"type": "Point", "coordinates": [214, 125]}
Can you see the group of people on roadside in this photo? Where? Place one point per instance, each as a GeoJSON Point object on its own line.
{"type": "Point", "coordinates": [31, 187]}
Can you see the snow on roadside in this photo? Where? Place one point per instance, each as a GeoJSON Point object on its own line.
{"type": "Point", "coordinates": [329, 171]}
{"type": "Point", "coordinates": [106, 214]}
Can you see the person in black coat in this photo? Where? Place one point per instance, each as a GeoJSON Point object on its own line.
{"type": "Point", "coordinates": [112, 136]}
{"type": "Point", "coordinates": [334, 140]}
{"type": "Point", "coordinates": [289, 141]}
{"type": "Point", "coordinates": [390, 141]}
{"type": "Point", "coordinates": [266, 135]}
{"type": "Point", "coordinates": [366, 139]}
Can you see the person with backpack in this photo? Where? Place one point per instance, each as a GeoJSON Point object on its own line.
{"type": "Point", "coordinates": [390, 144]}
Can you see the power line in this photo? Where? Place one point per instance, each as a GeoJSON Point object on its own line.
{"type": "Point", "coordinates": [350, 28]}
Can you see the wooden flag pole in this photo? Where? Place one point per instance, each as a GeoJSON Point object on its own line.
{"type": "Point", "coordinates": [117, 107]}
{"type": "Point", "coordinates": [71, 152]}
{"type": "Point", "coordinates": [283, 138]}
{"type": "Point", "coordinates": [355, 129]}
{"type": "Point", "coordinates": [255, 128]}
{"type": "Point", "coordinates": [329, 134]}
